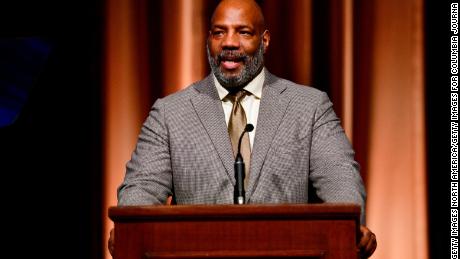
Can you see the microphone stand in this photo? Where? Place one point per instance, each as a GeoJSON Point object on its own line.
{"type": "Point", "coordinates": [239, 195]}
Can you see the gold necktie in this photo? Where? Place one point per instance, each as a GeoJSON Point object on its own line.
{"type": "Point", "coordinates": [236, 126]}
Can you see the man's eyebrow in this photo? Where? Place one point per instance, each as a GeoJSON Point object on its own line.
{"type": "Point", "coordinates": [244, 26]}
{"type": "Point", "coordinates": [224, 26]}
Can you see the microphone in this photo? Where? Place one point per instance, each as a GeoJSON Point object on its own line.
{"type": "Point", "coordinates": [239, 193]}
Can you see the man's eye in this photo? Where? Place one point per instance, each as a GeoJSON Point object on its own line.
{"type": "Point", "coordinates": [245, 32]}
{"type": "Point", "coordinates": [217, 33]}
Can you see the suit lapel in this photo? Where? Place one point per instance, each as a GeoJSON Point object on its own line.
{"type": "Point", "coordinates": [271, 111]}
{"type": "Point", "coordinates": [211, 114]}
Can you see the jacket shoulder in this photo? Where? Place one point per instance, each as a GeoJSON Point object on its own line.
{"type": "Point", "coordinates": [297, 92]}
{"type": "Point", "coordinates": [184, 94]}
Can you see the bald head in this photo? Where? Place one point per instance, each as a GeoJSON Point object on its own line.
{"type": "Point", "coordinates": [247, 7]}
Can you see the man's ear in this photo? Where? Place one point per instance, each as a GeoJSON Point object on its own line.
{"type": "Point", "coordinates": [208, 39]}
{"type": "Point", "coordinates": [266, 40]}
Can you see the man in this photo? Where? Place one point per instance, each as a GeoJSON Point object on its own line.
{"type": "Point", "coordinates": [187, 145]}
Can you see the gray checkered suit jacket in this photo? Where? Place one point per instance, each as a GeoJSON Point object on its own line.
{"type": "Point", "coordinates": [184, 149]}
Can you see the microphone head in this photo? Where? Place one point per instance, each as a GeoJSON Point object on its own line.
{"type": "Point", "coordinates": [249, 127]}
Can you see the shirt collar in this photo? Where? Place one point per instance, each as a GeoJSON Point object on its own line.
{"type": "Point", "coordinates": [254, 87]}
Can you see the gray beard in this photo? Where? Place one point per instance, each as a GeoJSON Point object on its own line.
{"type": "Point", "coordinates": [252, 65]}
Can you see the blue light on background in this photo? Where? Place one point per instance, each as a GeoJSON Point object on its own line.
{"type": "Point", "coordinates": [21, 61]}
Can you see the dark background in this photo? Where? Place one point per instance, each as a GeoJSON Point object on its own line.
{"type": "Point", "coordinates": [51, 157]}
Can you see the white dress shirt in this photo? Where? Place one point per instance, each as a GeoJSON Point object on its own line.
{"type": "Point", "coordinates": [250, 103]}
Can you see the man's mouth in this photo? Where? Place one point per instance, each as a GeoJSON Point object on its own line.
{"type": "Point", "coordinates": [231, 62]}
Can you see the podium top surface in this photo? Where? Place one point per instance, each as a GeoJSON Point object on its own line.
{"type": "Point", "coordinates": [236, 212]}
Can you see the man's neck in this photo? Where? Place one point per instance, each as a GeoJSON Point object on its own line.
{"type": "Point", "coordinates": [237, 88]}
{"type": "Point", "coordinates": [254, 86]}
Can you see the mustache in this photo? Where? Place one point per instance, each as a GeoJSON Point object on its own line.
{"type": "Point", "coordinates": [231, 55]}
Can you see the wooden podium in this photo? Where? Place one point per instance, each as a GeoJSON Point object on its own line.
{"type": "Point", "coordinates": [327, 231]}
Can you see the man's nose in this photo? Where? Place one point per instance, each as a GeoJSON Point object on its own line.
{"type": "Point", "coordinates": [231, 41]}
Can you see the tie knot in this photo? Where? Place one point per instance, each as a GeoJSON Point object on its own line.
{"type": "Point", "coordinates": [238, 96]}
